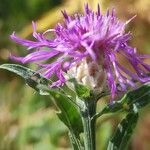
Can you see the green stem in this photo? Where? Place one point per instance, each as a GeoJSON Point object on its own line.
{"type": "Point", "coordinates": [75, 141]}
{"type": "Point", "coordinates": [89, 124]}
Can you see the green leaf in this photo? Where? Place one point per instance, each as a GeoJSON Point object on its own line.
{"type": "Point", "coordinates": [137, 98]}
{"type": "Point", "coordinates": [67, 108]}
{"type": "Point", "coordinates": [123, 133]}
{"type": "Point", "coordinates": [68, 114]}
{"type": "Point", "coordinates": [32, 78]}
{"type": "Point", "coordinates": [82, 91]}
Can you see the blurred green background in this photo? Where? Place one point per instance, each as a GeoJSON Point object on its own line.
{"type": "Point", "coordinates": [28, 120]}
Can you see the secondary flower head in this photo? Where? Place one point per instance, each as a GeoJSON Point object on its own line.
{"type": "Point", "coordinates": [91, 42]}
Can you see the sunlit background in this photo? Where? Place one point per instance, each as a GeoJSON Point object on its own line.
{"type": "Point", "coordinates": [27, 120]}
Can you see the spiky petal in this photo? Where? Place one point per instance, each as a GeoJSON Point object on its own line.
{"type": "Point", "coordinates": [94, 37]}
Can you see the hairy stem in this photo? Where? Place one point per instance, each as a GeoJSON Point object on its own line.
{"type": "Point", "coordinates": [89, 124]}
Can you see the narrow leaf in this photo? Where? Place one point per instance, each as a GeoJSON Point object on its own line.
{"type": "Point", "coordinates": [32, 78]}
{"type": "Point", "coordinates": [82, 91]}
{"type": "Point", "coordinates": [68, 112]}
{"type": "Point", "coordinates": [123, 133]}
{"type": "Point", "coordinates": [139, 97]}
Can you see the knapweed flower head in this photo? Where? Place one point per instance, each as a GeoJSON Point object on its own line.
{"type": "Point", "coordinates": [86, 45]}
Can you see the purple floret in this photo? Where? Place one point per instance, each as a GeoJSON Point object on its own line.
{"type": "Point", "coordinates": [100, 38]}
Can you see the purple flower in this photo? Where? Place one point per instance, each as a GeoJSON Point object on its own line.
{"type": "Point", "coordinates": [92, 37]}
